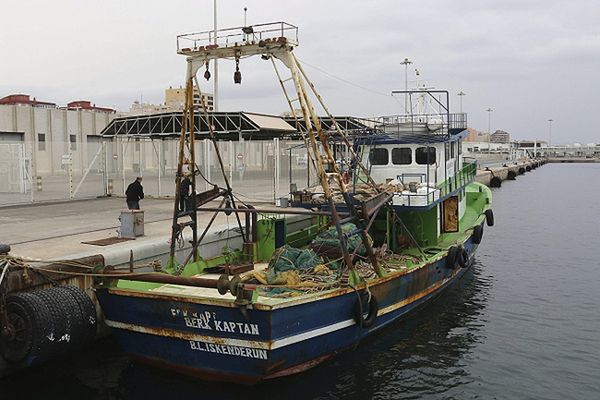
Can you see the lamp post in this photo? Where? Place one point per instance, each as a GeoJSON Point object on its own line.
{"type": "Point", "coordinates": [460, 96]}
{"type": "Point", "coordinates": [406, 63]}
{"type": "Point", "coordinates": [216, 81]}
{"type": "Point", "coordinates": [489, 111]}
{"type": "Point", "coordinates": [550, 132]}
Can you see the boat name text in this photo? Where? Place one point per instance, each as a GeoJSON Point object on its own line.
{"type": "Point", "coordinates": [208, 321]}
{"type": "Point", "coordinates": [229, 350]}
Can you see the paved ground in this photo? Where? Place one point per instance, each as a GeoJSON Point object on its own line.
{"type": "Point", "coordinates": [51, 231]}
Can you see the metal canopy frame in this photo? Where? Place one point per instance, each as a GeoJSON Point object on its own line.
{"type": "Point", "coordinates": [227, 126]}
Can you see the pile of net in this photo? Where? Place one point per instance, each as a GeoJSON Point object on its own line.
{"type": "Point", "coordinates": [328, 244]}
{"type": "Point", "coordinates": [316, 266]}
{"type": "Point", "coordinates": [293, 267]}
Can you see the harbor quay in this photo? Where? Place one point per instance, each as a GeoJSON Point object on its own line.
{"type": "Point", "coordinates": [493, 176]}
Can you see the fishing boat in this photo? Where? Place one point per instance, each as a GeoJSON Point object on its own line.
{"type": "Point", "coordinates": [383, 233]}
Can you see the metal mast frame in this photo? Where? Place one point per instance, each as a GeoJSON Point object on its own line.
{"type": "Point", "coordinates": [276, 40]}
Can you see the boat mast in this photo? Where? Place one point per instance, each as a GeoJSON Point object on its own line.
{"type": "Point", "coordinates": [277, 40]}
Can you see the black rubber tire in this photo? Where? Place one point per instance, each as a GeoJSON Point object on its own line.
{"type": "Point", "coordinates": [372, 308]}
{"type": "Point", "coordinates": [489, 217]}
{"type": "Point", "coordinates": [512, 175]}
{"type": "Point", "coordinates": [495, 182]}
{"type": "Point", "coordinates": [32, 320]}
{"type": "Point", "coordinates": [4, 248]}
{"type": "Point", "coordinates": [477, 234]}
{"type": "Point", "coordinates": [463, 257]}
{"type": "Point", "coordinates": [60, 339]}
{"type": "Point", "coordinates": [452, 257]}
{"type": "Point", "coordinates": [87, 313]}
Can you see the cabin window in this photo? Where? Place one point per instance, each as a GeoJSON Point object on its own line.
{"type": "Point", "coordinates": [378, 156]}
{"type": "Point", "coordinates": [425, 155]}
{"type": "Point", "coordinates": [402, 156]}
{"type": "Point", "coordinates": [452, 149]}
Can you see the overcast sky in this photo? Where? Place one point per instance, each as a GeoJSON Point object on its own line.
{"type": "Point", "coordinates": [529, 60]}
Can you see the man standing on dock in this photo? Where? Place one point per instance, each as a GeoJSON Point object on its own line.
{"type": "Point", "coordinates": [134, 193]}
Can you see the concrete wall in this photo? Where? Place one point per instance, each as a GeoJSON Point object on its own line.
{"type": "Point", "coordinates": [57, 125]}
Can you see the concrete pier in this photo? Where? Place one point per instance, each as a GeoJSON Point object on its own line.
{"type": "Point", "coordinates": [494, 176]}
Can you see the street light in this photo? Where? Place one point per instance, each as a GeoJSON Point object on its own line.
{"type": "Point", "coordinates": [460, 96]}
{"type": "Point", "coordinates": [489, 111]}
{"type": "Point", "coordinates": [550, 132]}
{"type": "Point", "coordinates": [216, 67]}
{"type": "Point", "coordinates": [406, 62]}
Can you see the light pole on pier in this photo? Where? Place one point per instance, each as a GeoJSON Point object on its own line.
{"type": "Point", "coordinates": [460, 96]}
{"type": "Point", "coordinates": [216, 68]}
{"type": "Point", "coordinates": [489, 111]}
{"type": "Point", "coordinates": [550, 132]}
{"type": "Point", "coordinates": [406, 63]}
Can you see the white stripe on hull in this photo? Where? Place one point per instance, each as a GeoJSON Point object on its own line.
{"type": "Point", "coordinates": [276, 344]}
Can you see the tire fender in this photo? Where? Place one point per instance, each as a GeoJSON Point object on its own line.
{"type": "Point", "coordinates": [452, 257]}
{"type": "Point", "coordinates": [477, 234]}
{"type": "Point", "coordinates": [364, 303]}
{"type": "Point", "coordinates": [489, 217]}
{"type": "Point", "coordinates": [463, 257]}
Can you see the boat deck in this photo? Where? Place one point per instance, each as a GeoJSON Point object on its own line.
{"type": "Point", "coordinates": [415, 258]}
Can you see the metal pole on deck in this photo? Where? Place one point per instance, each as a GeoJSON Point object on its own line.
{"type": "Point", "coordinates": [489, 111]}
{"type": "Point", "coordinates": [406, 62]}
{"type": "Point", "coordinates": [460, 96]}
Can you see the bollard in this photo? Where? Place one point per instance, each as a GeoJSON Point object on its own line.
{"type": "Point", "coordinates": [38, 180]}
{"type": "Point", "coordinates": [109, 187]}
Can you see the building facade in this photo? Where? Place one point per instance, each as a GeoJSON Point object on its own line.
{"type": "Point", "coordinates": [500, 137]}
{"type": "Point", "coordinates": [49, 132]}
{"type": "Point", "coordinates": [175, 99]}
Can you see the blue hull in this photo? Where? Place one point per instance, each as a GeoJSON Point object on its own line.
{"type": "Point", "coordinates": [220, 342]}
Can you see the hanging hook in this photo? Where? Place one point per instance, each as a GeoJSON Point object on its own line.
{"type": "Point", "coordinates": [207, 72]}
{"type": "Point", "coordinates": [237, 75]}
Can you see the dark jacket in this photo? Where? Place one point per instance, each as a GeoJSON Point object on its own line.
{"type": "Point", "coordinates": [184, 187]}
{"type": "Point", "coordinates": [135, 191]}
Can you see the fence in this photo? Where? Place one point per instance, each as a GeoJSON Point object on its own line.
{"type": "Point", "coordinates": [259, 171]}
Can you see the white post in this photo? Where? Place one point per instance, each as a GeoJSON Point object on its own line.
{"type": "Point", "coordinates": [206, 164]}
{"type": "Point", "coordinates": [277, 166]}
{"type": "Point", "coordinates": [105, 167]}
{"type": "Point", "coordinates": [208, 161]}
{"type": "Point", "coordinates": [231, 161]}
{"type": "Point", "coordinates": [123, 164]}
{"type": "Point", "coordinates": [70, 172]}
{"type": "Point", "coordinates": [160, 164]}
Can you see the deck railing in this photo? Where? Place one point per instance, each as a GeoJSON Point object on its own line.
{"type": "Point", "coordinates": [229, 37]}
{"type": "Point", "coordinates": [436, 193]}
